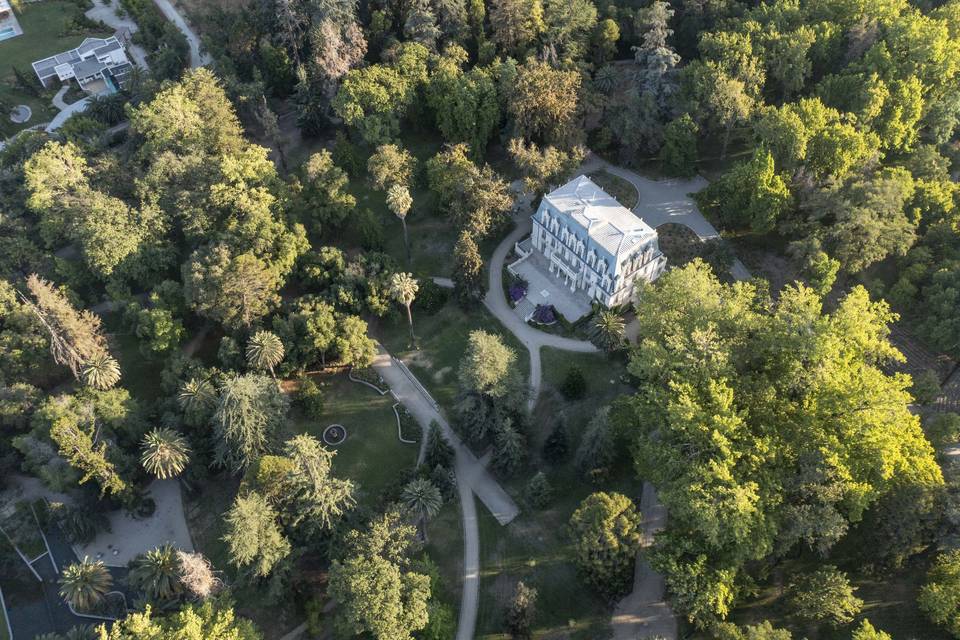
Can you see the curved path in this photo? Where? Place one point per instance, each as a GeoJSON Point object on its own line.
{"type": "Point", "coordinates": [472, 478]}
{"type": "Point", "coordinates": [667, 201]}
{"type": "Point", "coordinates": [531, 338]}
{"type": "Point", "coordinates": [198, 58]}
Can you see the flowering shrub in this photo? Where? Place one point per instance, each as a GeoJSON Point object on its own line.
{"type": "Point", "coordinates": [517, 291]}
{"type": "Point", "coordinates": [545, 314]}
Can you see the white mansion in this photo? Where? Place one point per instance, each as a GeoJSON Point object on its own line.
{"type": "Point", "coordinates": [593, 244]}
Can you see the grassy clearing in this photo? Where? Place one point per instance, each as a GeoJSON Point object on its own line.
{"type": "Point", "coordinates": [889, 602]}
{"type": "Point", "coordinates": [624, 192]}
{"type": "Point", "coordinates": [4, 635]}
{"type": "Point", "coordinates": [372, 455]}
{"type": "Point", "coordinates": [42, 23]}
{"type": "Point", "coordinates": [442, 341]}
{"type": "Point", "coordinates": [445, 547]}
{"type": "Point", "coordinates": [535, 547]}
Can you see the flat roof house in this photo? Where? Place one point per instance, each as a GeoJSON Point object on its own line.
{"type": "Point", "coordinates": [99, 65]}
{"type": "Point", "coordinates": [589, 247]}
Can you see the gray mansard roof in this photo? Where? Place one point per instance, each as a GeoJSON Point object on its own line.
{"type": "Point", "coordinates": [610, 225]}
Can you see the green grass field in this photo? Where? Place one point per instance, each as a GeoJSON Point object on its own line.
{"type": "Point", "coordinates": [42, 23]}
{"type": "Point", "coordinates": [372, 456]}
{"type": "Point", "coordinates": [442, 339]}
{"type": "Point", "coordinates": [4, 635]}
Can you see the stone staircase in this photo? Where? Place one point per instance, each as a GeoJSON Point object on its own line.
{"type": "Point", "coordinates": [524, 309]}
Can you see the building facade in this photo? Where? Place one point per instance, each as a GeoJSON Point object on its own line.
{"type": "Point", "coordinates": [595, 245]}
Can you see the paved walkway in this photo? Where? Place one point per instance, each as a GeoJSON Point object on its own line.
{"type": "Point", "coordinates": [645, 613]}
{"type": "Point", "coordinates": [472, 478]}
{"type": "Point", "coordinates": [197, 57]}
{"type": "Point", "coordinates": [531, 338]}
{"type": "Point", "coordinates": [128, 537]}
{"type": "Point", "coordinates": [667, 201]}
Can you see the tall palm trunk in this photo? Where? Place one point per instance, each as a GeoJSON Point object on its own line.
{"type": "Point", "coordinates": [413, 338]}
{"type": "Point", "coordinates": [406, 241]}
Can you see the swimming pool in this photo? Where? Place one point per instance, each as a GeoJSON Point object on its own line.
{"type": "Point", "coordinates": [6, 34]}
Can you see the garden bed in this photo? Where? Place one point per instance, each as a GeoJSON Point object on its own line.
{"type": "Point", "coordinates": [369, 377]}
{"type": "Point", "coordinates": [679, 243]}
{"type": "Point", "coordinates": [409, 429]}
{"type": "Point", "coordinates": [23, 531]}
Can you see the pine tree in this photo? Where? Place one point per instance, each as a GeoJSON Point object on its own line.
{"type": "Point", "coordinates": [468, 270]}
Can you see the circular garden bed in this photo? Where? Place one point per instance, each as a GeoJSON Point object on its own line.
{"type": "Point", "coordinates": [334, 434]}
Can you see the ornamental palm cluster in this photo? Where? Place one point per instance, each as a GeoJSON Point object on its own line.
{"type": "Point", "coordinates": [165, 453]}
{"type": "Point", "coordinates": [264, 351]}
{"type": "Point", "coordinates": [156, 574]}
{"type": "Point", "coordinates": [101, 372]}
{"type": "Point", "coordinates": [85, 584]}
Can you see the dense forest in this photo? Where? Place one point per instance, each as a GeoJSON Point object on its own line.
{"type": "Point", "coordinates": [179, 261]}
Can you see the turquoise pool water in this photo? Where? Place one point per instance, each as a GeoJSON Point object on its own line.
{"type": "Point", "coordinates": [6, 34]}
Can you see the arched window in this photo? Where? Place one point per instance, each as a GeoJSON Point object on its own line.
{"type": "Point", "coordinates": [591, 258]}
{"type": "Point", "coordinates": [580, 249]}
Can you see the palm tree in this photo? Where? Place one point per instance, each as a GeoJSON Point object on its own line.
{"type": "Point", "coordinates": [403, 289]}
{"type": "Point", "coordinates": [605, 79]}
{"type": "Point", "coordinates": [165, 453]}
{"type": "Point", "coordinates": [157, 574]}
{"type": "Point", "coordinates": [195, 395]}
{"type": "Point", "coordinates": [264, 351]}
{"type": "Point", "coordinates": [101, 372]}
{"type": "Point", "coordinates": [610, 330]}
{"type": "Point", "coordinates": [84, 584]}
{"type": "Point", "coordinates": [399, 201]}
{"type": "Point", "coordinates": [423, 498]}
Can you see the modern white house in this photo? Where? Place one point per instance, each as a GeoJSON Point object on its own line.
{"type": "Point", "coordinates": [591, 245]}
{"type": "Point", "coordinates": [99, 65]}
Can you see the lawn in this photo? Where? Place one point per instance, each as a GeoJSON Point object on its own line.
{"type": "Point", "coordinates": [442, 340]}
{"type": "Point", "coordinates": [534, 547]}
{"type": "Point", "coordinates": [42, 23]}
{"type": "Point", "coordinates": [4, 634]}
{"type": "Point", "coordinates": [889, 602]}
{"type": "Point", "coordinates": [445, 548]}
{"type": "Point", "coordinates": [624, 192]}
{"type": "Point", "coordinates": [372, 455]}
